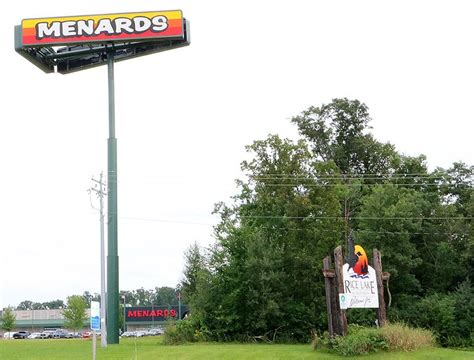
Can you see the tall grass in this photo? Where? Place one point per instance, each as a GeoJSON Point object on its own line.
{"type": "Point", "coordinates": [401, 337]}
{"type": "Point", "coordinates": [392, 337]}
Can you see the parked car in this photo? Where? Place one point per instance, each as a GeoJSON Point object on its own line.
{"type": "Point", "coordinates": [60, 334]}
{"type": "Point", "coordinates": [128, 334]}
{"type": "Point", "coordinates": [57, 335]}
{"type": "Point", "coordinates": [47, 334]}
{"type": "Point", "coordinates": [21, 335]}
{"type": "Point", "coordinates": [9, 335]}
{"type": "Point", "coordinates": [157, 331]}
{"type": "Point", "coordinates": [35, 335]}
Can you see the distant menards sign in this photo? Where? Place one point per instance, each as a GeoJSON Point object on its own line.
{"type": "Point", "coordinates": [103, 28]}
{"type": "Point", "coordinates": [156, 313]}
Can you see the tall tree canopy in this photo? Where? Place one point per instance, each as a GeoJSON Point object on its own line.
{"type": "Point", "coordinates": [299, 199]}
{"type": "Point", "coordinates": [8, 319]}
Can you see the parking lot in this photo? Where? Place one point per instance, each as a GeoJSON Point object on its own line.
{"type": "Point", "coordinates": [64, 334]}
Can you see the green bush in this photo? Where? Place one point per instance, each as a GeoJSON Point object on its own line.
{"type": "Point", "coordinates": [183, 331]}
{"type": "Point", "coordinates": [362, 317]}
{"type": "Point", "coordinates": [392, 337]}
{"type": "Point", "coordinates": [449, 316]}
{"type": "Point", "coordinates": [359, 341]}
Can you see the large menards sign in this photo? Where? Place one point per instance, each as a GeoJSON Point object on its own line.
{"type": "Point", "coordinates": [102, 28]}
{"type": "Point", "coordinates": [73, 43]}
{"type": "Point", "coordinates": [360, 282]}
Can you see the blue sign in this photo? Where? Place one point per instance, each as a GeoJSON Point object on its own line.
{"type": "Point", "coordinates": [95, 323]}
{"type": "Point", "coordinates": [95, 315]}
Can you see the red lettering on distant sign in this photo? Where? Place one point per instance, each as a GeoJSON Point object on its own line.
{"type": "Point", "coordinates": [149, 313]}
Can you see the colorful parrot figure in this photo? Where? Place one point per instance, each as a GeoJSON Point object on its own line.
{"type": "Point", "coordinates": [361, 267]}
{"type": "Point", "coordinates": [357, 258]}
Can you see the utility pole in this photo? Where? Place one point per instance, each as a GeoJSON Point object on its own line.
{"type": "Point", "coordinates": [98, 188]}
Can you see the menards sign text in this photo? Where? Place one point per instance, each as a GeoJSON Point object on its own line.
{"type": "Point", "coordinates": [155, 313]}
{"type": "Point", "coordinates": [103, 28]}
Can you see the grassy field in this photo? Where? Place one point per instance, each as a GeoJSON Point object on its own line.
{"type": "Point", "coordinates": [151, 348]}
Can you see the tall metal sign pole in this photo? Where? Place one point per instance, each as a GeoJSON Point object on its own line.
{"type": "Point", "coordinates": [112, 231]}
{"type": "Point", "coordinates": [90, 41]}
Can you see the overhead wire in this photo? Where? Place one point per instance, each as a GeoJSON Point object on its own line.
{"type": "Point", "coordinates": [300, 229]}
{"type": "Point", "coordinates": [260, 177]}
{"type": "Point", "coordinates": [365, 185]}
{"type": "Point", "coordinates": [310, 217]}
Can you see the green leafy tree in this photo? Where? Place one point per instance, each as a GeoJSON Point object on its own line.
{"type": "Point", "coordinates": [143, 297]}
{"type": "Point", "coordinates": [259, 277]}
{"type": "Point", "coordinates": [88, 297]}
{"type": "Point", "coordinates": [165, 296]}
{"type": "Point", "coordinates": [54, 304]}
{"type": "Point", "coordinates": [338, 132]}
{"type": "Point", "coordinates": [37, 306]}
{"type": "Point", "coordinates": [25, 305]}
{"type": "Point", "coordinates": [128, 297]}
{"type": "Point", "coordinates": [389, 218]}
{"type": "Point", "coordinates": [8, 319]}
{"type": "Point", "coordinates": [194, 263]}
{"type": "Point", "coordinates": [299, 199]}
{"type": "Point", "coordinates": [75, 312]}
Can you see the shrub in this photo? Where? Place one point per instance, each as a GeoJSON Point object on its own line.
{"type": "Point", "coordinates": [315, 340]}
{"type": "Point", "coordinates": [449, 316]}
{"type": "Point", "coordinates": [171, 336]}
{"type": "Point", "coordinates": [362, 317]}
{"type": "Point", "coordinates": [183, 331]}
{"type": "Point", "coordinates": [400, 337]}
{"type": "Point", "coordinates": [393, 337]}
{"type": "Point", "coordinates": [359, 341]}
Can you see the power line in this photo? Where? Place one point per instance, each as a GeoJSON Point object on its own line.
{"type": "Point", "coordinates": [164, 221]}
{"type": "Point", "coordinates": [301, 229]}
{"type": "Point", "coordinates": [194, 182]}
{"type": "Point", "coordinates": [375, 231]}
{"type": "Point", "coordinates": [389, 175]}
{"type": "Point", "coordinates": [365, 185]}
{"type": "Point", "coordinates": [310, 217]}
{"type": "Point", "coordinates": [296, 218]}
{"type": "Point", "coordinates": [316, 177]}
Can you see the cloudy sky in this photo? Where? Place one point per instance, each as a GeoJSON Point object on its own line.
{"type": "Point", "coordinates": [183, 118]}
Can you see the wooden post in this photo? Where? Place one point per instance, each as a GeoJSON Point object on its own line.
{"type": "Point", "coordinates": [341, 314]}
{"type": "Point", "coordinates": [330, 303]}
{"type": "Point", "coordinates": [381, 311]}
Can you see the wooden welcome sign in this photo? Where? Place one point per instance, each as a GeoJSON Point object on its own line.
{"type": "Point", "coordinates": [353, 284]}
